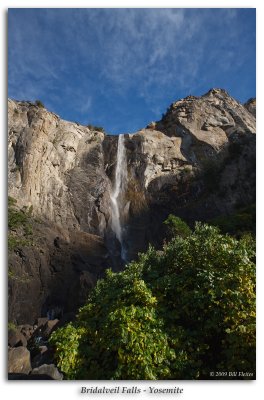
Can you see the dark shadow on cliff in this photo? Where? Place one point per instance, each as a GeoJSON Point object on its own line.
{"type": "Point", "coordinates": [220, 185]}
{"type": "Point", "coordinates": [53, 273]}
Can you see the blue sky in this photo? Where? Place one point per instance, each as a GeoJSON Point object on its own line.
{"type": "Point", "coordinates": [121, 68]}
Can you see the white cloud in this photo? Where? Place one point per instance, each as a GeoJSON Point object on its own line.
{"type": "Point", "coordinates": [86, 105]}
{"type": "Point", "coordinates": [87, 53]}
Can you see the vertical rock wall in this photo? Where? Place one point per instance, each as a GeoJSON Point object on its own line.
{"type": "Point", "coordinates": [198, 162]}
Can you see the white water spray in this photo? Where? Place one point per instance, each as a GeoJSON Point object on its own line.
{"type": "Point", "coordinates": [117, 195]}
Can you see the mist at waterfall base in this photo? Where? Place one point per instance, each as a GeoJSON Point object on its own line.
{"type": "Point", "coordinates": [117, 195]}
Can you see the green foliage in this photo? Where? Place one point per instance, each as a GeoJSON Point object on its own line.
{"type": "Point", "coordinates": [11, 201]}
{"type": "Point", "coordinates": [243, 220]}
{"type": "Point", "coordinates": [68, 357]}
{"type": "Point", "coordinates": [30, 210]}
{"type": "Point", "coordinates": [207, 289]}
{"type": "Point", "coordinates": [175, 314]}
{"type": "Point", "coordinates": [16, 218]}
{"type": "Point", "coordinates": [15, 242]}
{"type": "Point", "coordinates": [96, 128]}
{"type": "Point", "coordinates": [23, 277]}
{"type": "Point", "coordinates": [39, 104]}
{"type": "Point", "coordinates": [176, 226]}
{"type": "Point", "coordinates": [119, 334]}
{"type": "Point", "coordinates": [19, 225]}
{"type": "Point", "coordinates": [11, 326]}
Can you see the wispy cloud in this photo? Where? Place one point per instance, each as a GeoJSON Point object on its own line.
{"type": "Point", "coordinates": [97, 57]}
{"type": "Point", "coordinates": [86, 104]}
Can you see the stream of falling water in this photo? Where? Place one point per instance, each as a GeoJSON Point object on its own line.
{"type": "Point", "coordinates": [117, 195]}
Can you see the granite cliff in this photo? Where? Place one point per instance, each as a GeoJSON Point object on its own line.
{"type": "Point", "coordinates": [197, 162]}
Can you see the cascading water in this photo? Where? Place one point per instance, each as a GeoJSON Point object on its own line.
{"type": "Point", "coordinates": [117, 195]}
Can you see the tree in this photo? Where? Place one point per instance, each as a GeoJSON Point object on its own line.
{"type": "Point", "coordinates": [176, 226]}
{"type": "Point", "coordinates": [175, 314]}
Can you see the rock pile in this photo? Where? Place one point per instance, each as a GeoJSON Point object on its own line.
{"type": "Point", "coordinates": [29, 355]}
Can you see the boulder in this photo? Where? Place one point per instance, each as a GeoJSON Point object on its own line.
{"type": "Point", "coordinates": [44, 356]}
{"type": "Point", "coordinates": [19, 360]}
{"type": "Point", "coordinates": [42, 333]}
{"type": "Point", "coordinates": [43, 349]}
{"type": "Point", "coordinates": [48, 370]}
{"type": "Point", "coordinates": [41, 322]}
{"type": "Point", "coordinates": [48, 328]}
{"type": "Point", "coordinates": [16, 338]}
{"type": "Point", "coordinates": [26, 330]}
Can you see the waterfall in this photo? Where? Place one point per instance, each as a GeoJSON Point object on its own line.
{"type": "Point", "coordinates": [117, 195]}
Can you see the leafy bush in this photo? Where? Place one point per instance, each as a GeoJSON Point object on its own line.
{"type": "Point", "coordinates": [117, 335]}
{"type": "Point", "coordinates": [238, 223]}
{"type": "Point", "coordinates": [176, 226]}
{"type": "Point", "coordinates": [175, 314]}
{"type": "Point", "coordinates": [39, 104]}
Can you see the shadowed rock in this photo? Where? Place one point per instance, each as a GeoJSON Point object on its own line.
{"type": "Point", "coordinates": [47, 370]}
{"type": "Point", "coordinates": [16, 338]}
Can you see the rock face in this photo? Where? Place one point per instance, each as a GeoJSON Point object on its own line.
{"type": "Point", "coordinates": [55, 274]}
{"type": "Point", "coordinates": [251, 106]}
{"type": "Point", "coordinates": [208, 118]}
{"type": "Point", "coordinates": [197, 162]}
{"type": "Point", "coordinates": [57, 167]}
